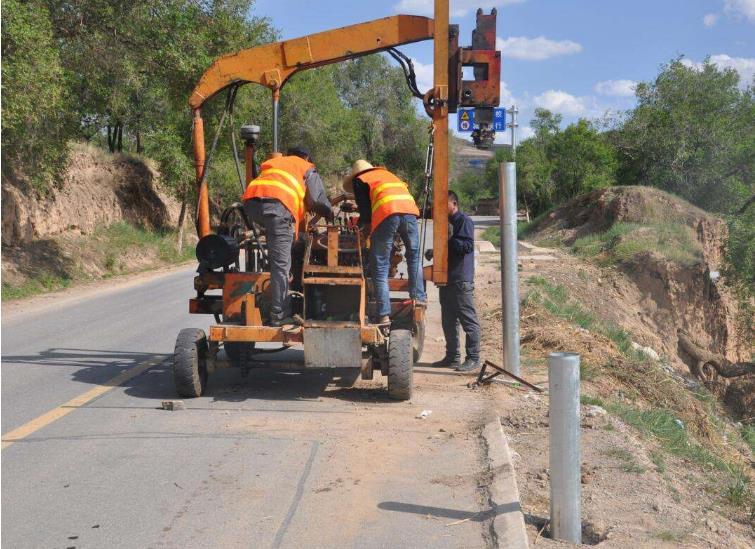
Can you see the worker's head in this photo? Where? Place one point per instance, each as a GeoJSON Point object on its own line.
{"type": "Point", "coordinates": [301, 152]}
{"type": "Point", "coordinates": [453, 203]}
{"type": "Point", "coordinates": [359, 166]}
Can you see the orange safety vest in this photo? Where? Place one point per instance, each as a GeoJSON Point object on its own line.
{"type": "Point", "coordinates": [388, 195]}
{"type": "Point", "coordinates": [282, 178]}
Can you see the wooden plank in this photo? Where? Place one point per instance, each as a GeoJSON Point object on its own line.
{"type": "Point", "coordinates": [332, 246]}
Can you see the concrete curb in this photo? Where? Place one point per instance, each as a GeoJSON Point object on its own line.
{"type": "Point", "coordinates": [508, 520]}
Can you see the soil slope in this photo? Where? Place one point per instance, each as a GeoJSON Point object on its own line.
{"type": "Point", "coordinates": [662, 293]}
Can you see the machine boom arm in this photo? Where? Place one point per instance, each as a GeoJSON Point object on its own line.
{"type": "Point", "coordinates": [272, 64]}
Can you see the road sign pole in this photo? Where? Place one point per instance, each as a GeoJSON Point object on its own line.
{"type": "Point", "coordinates": [513, 111]}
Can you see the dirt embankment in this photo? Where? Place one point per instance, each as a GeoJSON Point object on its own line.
{"type": "Point", "coordinates": [96, 189]}
{"type": "Point", "coordinates": [50, 235]}
{"type": "Point", "coordinates": [664, 463]}
{"type": "Point", "coordinates": [663, 295]}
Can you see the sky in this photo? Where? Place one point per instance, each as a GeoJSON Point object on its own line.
{"type": "Point", "coordinates": [581, 58]}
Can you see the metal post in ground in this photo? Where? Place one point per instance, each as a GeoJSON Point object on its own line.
{"type": "Point", "coordinates": [564, 454]}
{"type": "Point", "coordinates": [513, 111]}
{"type": "Point", "coordinates": [509, 271]}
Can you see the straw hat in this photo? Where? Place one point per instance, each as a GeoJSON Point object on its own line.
{"type": "Point", "coordinates": [359, 166]}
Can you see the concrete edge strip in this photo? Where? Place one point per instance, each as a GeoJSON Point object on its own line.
{"type": "Point", "coordinates": [508, 520]}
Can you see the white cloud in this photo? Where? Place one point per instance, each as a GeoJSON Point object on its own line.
{"type": "Point", "coordinates": [616, 88]}
{"type": "Point", "coordinates": [561, 102]}
{"type": "Point", "coordinates": [424, 73]}
{"type": "Point", "coordinates": [524, 132]}
{"type": "Point", "coordinates": [458, 8]}
{"type": "Point", "coordinates": [745, 66]}
{"type": "Point", "coordinates": [535, 49]}
{"type": "Point", "coordinates": [740, 9]}
{"type": "Point", "coordinates": [710, 19]}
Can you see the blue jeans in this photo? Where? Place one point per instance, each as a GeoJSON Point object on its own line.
{"type": "Point", "coordinates": [381, 244]}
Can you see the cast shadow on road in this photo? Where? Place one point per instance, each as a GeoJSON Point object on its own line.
{"type": "Point", "coordinates": [453, 514]}
{"type": "Point", "coordinates": [98, 366]}
{"type": "Point", "coordinates": [92, 366]}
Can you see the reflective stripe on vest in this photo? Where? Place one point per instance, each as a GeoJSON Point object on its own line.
{"type": "Point", "coordinates": [388, 195]}
{"type": "Point", "coordinates": [282, 178]}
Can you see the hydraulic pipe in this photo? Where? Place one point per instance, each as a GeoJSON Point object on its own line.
{"type": "Point", "coordinates": [509, 270]}
{"type": "Point", "coordinates": [564, 455]}
{"type": "Point", "coordinates": [276, 110]}
{"type": "Point", "coordinates": [203, 203]}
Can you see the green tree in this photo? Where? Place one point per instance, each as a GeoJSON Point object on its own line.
{"type": "Point", "coordinates": [36, 125]}
{"type": "Point", "coordinates": [691, 134]}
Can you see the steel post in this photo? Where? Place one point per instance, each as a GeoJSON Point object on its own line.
{"type": "Point", "coordinates": [509, 270]}
{"type": "Point", "coordinates": [564, 454]}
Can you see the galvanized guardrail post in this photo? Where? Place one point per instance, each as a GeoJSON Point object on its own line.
{"type": "Point", "coordinates": [564, 454]}
{"type": "Point", "coordinates": [509, 270]}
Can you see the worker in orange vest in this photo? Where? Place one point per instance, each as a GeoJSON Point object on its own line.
{"type": "Point", "coordinates": [286, 188]}
{"type": "Point", "coordinates": [386, 208]}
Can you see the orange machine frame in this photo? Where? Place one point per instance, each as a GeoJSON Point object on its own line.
{"type": "Point", "coordinates": [271, 65]}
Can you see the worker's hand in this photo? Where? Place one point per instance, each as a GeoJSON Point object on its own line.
{"type": "Point", "coordinates": [429, 254]}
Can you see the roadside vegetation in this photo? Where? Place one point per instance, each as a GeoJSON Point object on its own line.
{"type": "Point", "coordinates": [118, 75]}
{"type": "Point", "coordinates": [646, 397]}
{"type": "Point", "coordinates": [120, 248]}
{"type": "Point", "coordinates": [690, 134]}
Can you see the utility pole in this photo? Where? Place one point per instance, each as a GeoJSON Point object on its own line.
{"type": "Point", "coordinates": [512, 112]}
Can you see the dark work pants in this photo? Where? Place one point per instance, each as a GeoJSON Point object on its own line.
{"type": "Point", "coordinates": [457, 307]}
{"type": "Point", "coordinates": [279, 232]}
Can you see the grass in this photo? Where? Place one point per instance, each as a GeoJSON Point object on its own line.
{"type": "Point", "coordinates": [555, 298]}
{"type": "Point", "coordinates": [661, 425]}
{"type": "Point", "coordinates": [659, 460]}
{"type": "Point", "coordinates": [106, 245]}
{"type": "Point", "coordinates": [629, 463]}
{"type": "Point", "coordinates": [122, 236]}
{"type": "Point", "coordinates": [668, 535]}
{"type": "Point", "coordinates": [623, 241]}
{"type": "Point", "coordinates": [43, 283]}
{"type": "Point", "coordinates": [748, 435]}
{"type": "Point", "coordinates": [523, 228]}
{"type": "Point", "coordinates": [587, 400]}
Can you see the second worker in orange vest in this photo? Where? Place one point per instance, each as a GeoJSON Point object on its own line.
{"type": "Point", "coordinates": [286, 188]}
{"type": "Point", "coordinates": [387, 208]}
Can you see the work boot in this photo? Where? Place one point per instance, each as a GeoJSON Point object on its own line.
{"type": "Point", "coordinates": [469, 366]}
{"type": "Point", "coordinates": [446, 362]}
{"type": "Point", "coordinates": [380, 320]}
{"type": "Point", "coordinates": [294, 320]}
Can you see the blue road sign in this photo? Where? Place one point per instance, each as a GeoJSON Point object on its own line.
{"type": "Point", "coordinates": [465, 120]}
{"type": "Point", "coordinates": [499, 119]}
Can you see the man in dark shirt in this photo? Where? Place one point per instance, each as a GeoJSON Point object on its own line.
{"type": "Point", "coordinates": [457, 297]}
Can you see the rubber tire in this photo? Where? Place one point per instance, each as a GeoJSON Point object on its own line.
{"type": "Point", "coordinates": [418, 340]}
{"type": "Point", "coordinates": [400, 365]}
{"type": "Point", "coordinates": [190, 363]}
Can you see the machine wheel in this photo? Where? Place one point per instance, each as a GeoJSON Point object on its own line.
{"type": "Point", "coordinates": [400, 363]}
{"type": "Point", "coordinates": [418, 339]}
{"type": "Point", "coordinates": [190, 363]}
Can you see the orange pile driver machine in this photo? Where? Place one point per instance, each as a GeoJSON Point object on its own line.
{"type": "Point", "coordinates": [331, 292]}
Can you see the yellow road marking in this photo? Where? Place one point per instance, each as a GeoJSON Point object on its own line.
{"type": "Point", "coordinates": [66, 408]}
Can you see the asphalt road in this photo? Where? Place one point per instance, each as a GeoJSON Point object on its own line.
{"type": "Point", "coordinates": [279, 459]}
